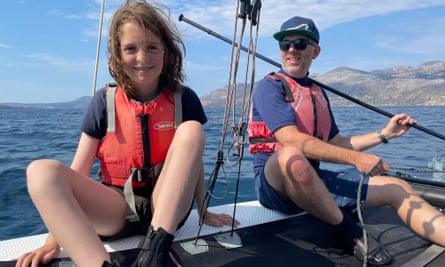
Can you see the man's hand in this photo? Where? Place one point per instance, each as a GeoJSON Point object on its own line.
{"type": "Point", "coordinates": [397, 126]}
{"type": "Point", "coordinates": [371, 165]}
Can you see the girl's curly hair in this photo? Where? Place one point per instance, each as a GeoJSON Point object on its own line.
{"type": "Point", "coordinates": [153, 18]}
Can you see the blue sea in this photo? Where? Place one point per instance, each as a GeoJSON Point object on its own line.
{"type": "Point", "coordinates": [29, 134]}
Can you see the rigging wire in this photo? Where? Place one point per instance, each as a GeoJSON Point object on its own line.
{"type": "Point", "coordinates": [240, 131]}
{"type": "Point", "coordinates": [230, 90]}
{"type": "Point", "coordinates": [244, 10]}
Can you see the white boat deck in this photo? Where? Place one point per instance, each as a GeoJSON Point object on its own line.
{"type": "Point", "coordinates": [248, 213]}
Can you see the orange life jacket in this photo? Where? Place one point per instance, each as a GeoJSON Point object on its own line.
{"type": "Point", "coordinates": [138, 137]}
{"type": "Point", "coordinates": [311, 113]}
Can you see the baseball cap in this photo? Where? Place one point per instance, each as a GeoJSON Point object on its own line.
{"type": "Point", "coordinates": [298, 25]}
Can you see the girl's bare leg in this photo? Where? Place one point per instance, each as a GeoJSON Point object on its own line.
{"type": "Point", "coordinates": [174, 191]}
{"type": "Point", "coordinates": [75, 209]}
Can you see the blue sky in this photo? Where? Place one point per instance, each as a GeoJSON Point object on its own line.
{"type": "Point", "coordinates": [48, 47]}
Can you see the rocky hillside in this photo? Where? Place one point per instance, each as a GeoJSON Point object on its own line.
{"type": "Point", "coordinates": [396, 86]}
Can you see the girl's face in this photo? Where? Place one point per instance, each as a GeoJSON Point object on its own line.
{"type": "Point", "coordinates": [142, 56]}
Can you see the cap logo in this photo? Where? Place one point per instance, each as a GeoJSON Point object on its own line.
{"type": "Point", "coordinates": [298, 25]}
{"type": "Point", "coordinates": [304, 27]}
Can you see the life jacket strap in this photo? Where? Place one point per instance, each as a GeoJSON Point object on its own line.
{"type": "Point", "coordinates": [285, 85]}
{"type": "Point", "coordinates": [146, 175]}
{"type": "Point", "coordinates": [254, 140]}
{"type": "Point", "coordinates": [132, 215]}
{"type": "Point", "coordinates": [111, 121]}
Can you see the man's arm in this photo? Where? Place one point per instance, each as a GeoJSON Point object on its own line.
{"type": "Point", "coordinates": [316, 149]}
{"type": "Point", "coordinates": [397, 126]}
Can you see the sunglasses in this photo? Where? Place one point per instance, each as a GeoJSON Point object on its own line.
{"type": "Point", "coordinates": [299, 44]}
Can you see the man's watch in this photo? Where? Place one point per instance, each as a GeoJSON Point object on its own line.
{"type": "Point", "coordinates": [382, 137]}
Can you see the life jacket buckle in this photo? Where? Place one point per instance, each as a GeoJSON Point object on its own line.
{"type": "Point", "coordinates": [144, 174]}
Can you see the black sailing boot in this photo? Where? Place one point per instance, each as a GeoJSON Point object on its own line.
{"type": "Point", "coordinates": [156, 250]}
{"type": "Point", "coordinates": [113, 263]}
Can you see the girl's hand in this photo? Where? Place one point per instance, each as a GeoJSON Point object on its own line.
{"type": "Point", "coordinates": [219, 220]}
{"type": "Point", "coordinates": [43, 255]}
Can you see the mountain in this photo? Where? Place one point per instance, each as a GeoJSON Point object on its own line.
{"type": "Point", "coordinates": [396, 86]}
{"type": "Point", "coordinates": [218, 97]}
{"type": "Point", "coordinates": [80, 103]}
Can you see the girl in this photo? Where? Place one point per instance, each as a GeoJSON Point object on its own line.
{"type": "Point", "coordinates": [162, 166]}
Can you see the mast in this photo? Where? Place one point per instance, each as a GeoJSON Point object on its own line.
{"type": "Point", "coordinates": [99, 38]}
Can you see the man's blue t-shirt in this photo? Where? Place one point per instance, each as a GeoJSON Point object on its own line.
{"type": "Point", "coordinates": [95, 119]}
{"type": "Point", "coordinates": [269, 105]}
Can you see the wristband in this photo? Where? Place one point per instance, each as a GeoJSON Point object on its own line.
{"type": "Point", "coordinates": [382, 137]}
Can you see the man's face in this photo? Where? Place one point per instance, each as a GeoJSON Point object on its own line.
{"type": "Point", "coordinates": [297, 53]}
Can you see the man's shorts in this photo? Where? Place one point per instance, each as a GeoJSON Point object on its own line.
{"type": "Point", "coordinates": [342, 185]}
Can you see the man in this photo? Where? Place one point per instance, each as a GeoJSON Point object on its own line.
{"type": "Point", "coordinates": [292, 129]}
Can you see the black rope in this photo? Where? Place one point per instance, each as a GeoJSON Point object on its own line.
{"type": "Point", "coordinates": [361, 221]}
{"type": "Point", "coordinates": [359, 211]}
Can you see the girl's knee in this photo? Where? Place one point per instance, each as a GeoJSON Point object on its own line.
{"type": "Point", "coordinates": [42, 165]}
{"type": "Point", "coordinates": [41, 172]}
{"type": "Point", "coordinates": [194, 126]}
{"type": "Point", "coordinates": [191, 131]}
